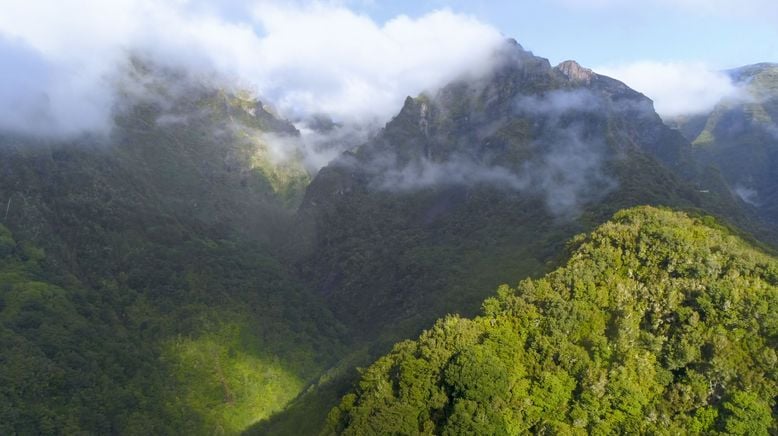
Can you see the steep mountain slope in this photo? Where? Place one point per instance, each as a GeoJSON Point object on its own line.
{"type": "Point", "coordinates": [419, 221]}
{"type": "Point", "coordinates": [139, 291]}
{"type": "Point", "coordinates": [658, 323]}
{"type": "Point", "coordinates": [740, 138]}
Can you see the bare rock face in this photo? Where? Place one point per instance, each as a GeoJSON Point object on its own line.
{"type": "Point", "coordinates": [575, 71]}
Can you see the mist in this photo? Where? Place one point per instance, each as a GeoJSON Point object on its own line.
{"type": "Point", "coordinates": [677, 88]}
{"type": "Point", "coordinates": [748, 195]}
{"type": "Point", "coordinates": [63, 59]}
{"type": "Point", "coordinates": [566, 169]}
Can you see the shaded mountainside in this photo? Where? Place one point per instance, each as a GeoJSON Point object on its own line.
{"type": "Point", "coordinates": [739, 138]}
{"type": "Point", "coordinates": [418, 222]}
{"type": "Point", "coordinates": [141, 292]}
{"type": "Point", "coordinates": [658, 323]}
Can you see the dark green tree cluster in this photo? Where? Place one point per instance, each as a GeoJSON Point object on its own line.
{"type": "Point", "coordinates": [138, 290]}
{"type": "Point", "coordinates": [203, 337]}
{"type": "Point", "coordinates": [659, 323]}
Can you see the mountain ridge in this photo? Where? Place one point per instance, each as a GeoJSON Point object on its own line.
{"type": "Point", "coordinates": [628, 336]}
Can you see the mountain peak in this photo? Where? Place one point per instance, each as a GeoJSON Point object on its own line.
{"type": "Point", "coordinates": [763, 76]}
{"type": "Point", "coordinates": [575, 72]}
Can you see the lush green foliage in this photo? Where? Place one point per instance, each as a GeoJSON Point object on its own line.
{"type": "Point", "coordinates": [138, 294]}
{"type": "Point", "coordinates": [659, 323]}
{"type": "Point", "coordinates": [158, 281]}
{"type": "Point", "coordinates": [215, 347]}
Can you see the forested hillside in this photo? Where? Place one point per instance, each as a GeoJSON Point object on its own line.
{"type": "Point", "coordinates": [142, 291]}
{"type": "Point", "coordinates": [190, 272]}
{"type": "Point", "coordinates": [478, 184]}
{"type": "Point", "coordinates": [658, 323]}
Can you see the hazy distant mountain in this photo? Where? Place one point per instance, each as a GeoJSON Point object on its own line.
{"type": "Point", "coordinates": [739, 137]}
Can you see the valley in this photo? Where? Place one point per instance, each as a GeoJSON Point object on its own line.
{"type": "Point", "coordinates": [529, 249]}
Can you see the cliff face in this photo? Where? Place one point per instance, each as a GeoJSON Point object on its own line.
{"type": "Point", "coordinates": [575, 72]}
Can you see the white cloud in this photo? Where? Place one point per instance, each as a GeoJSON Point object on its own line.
{"type": "Point", "coordinates": [676, 88]}
{"type": "Point", "coordinates": [349, 66]}
{"type": "Point", "coordinates": [304, 57]}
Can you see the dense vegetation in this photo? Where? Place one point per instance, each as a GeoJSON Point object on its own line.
{"type": "Point", "coordinates": [141, 288]}
{"type": "Point", "coordinates": [389, 260]}
{"type": "Point", "coordinates": [659, 323]}
{"type": "Point", "coordinates": [221, 342]}
{"type": "Point", "coordinates": [161, 280]}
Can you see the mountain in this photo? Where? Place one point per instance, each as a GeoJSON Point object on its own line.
{"type": "Point", "coordinates": [739, 137]}
{"type": "Point", "coordinates": [142, 289]}
{"type": "Point", "coordinates": [658, 323]}
{"type": "Point", "coordinates": [188, 272]}
{"type": "Point", "coordinates": [420, 221]}
{"type": "Point", "coordinates": [475, 185]}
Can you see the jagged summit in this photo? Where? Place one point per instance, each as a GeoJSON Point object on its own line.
{"type": "Point", "coordinates": [575, 72]}
{"type": "Point", "coordinates": [512, 42]}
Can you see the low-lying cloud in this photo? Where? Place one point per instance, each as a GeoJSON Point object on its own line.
{"type": "Point", "coordinates": [313, 149]}
{"type": "Point", "coordinates": [568, 175]}
{"type": "Point", "coordinates": [676, 88]}
{"type": "Point", "coordinates": [40, 95]}
{"type": "Point", "coordinates": [62, 58]}
{"type": "Point", "coordinates": [748, 195]}
{"type": "Point", "coordinates": [566, 169]}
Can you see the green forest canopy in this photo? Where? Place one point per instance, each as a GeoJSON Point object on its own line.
{"type": "Point", "coordinates": [659, 323]}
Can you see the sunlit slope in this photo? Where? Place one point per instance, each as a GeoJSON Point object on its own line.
{"type": "Point", "coordinates": [658, 323]}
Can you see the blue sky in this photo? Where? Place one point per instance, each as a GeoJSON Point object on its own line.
{"type": "Point", "coordinates": [722, 34]}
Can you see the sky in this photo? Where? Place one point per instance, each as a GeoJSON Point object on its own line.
{"type": "Point", "coordinates": [720, 33]}
{"type": "Point", "coordinates": [356, 60]}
